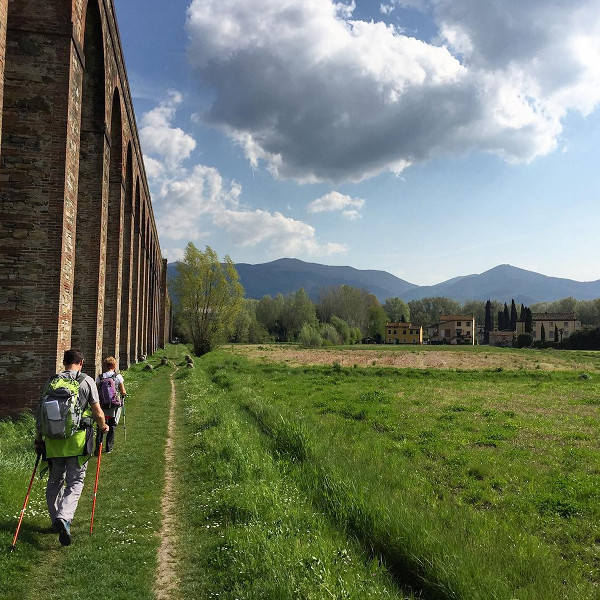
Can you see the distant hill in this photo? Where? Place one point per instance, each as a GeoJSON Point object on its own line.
{"type": "Point", "coordinates": [287, 275]}
{"type": "Point", "coordinates": [506, 282]}
{"type": "Point", "coordinates": [503, 282]}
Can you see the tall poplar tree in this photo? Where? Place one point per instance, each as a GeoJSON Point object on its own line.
{"type": "Point", "coordinates": [209, 295]}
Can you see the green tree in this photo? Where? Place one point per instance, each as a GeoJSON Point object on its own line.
{"type": "Point", "coordinates": [397, 310]}
{"type": "Point", "coordinates": [428, 310]}
{"type": "Point", "coordinates": [543, 333]}
{"type": "Point", "coordinates": [588, 311]}
{"type": "Point", "coordinates": [297, 310]}
{"type": "Point", "coordinates": [524, 340]}
{"type": "Point", "coordinates": [348, 303]}
{"type": "Point", "coordinates": [269, 312]}
{"type": "Point", "coordinates": [506, 319]}
{"type": "Point", "coordinates": [513, 316]}
{"type": "Point", "coordinates": [329, 335]}
{"type": "Point", "coordinates": [309, 336]}
{"type": "Point", "coordinates": [488, 323]}
{"type": "Point", "coordinates": [377, 322]}
{"type": "Point", "coordinates": [342, 328]}
{"type": "Point", "coordinates": [500, 320]}
{"type": "Point", "coordinates": [209, 297]}
{"type": "Point", "coordinates": [475, 308]}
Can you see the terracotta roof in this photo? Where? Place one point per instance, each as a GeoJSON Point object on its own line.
{"type": "Point", "coordinates": [456, 317]}
{"type": "Point", "coordinates": [554, 316]}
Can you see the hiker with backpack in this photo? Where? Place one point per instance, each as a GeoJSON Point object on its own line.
{"type": "Point", "coordinates": [111, 389]}
{"type": "Point", "coordinates": [65, 438]}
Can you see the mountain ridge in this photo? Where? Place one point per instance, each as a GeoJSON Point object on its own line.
{"type": "Point", "coordinates": [502, 282]}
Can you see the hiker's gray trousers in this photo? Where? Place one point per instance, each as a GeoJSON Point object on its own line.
{"type": "Point", "coordinates": [62, 500]}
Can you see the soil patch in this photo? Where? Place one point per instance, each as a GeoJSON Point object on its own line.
{"type": "Point", "coordinates": [166, 582]}
{"type": "Point", "coordinates": [470, 358]}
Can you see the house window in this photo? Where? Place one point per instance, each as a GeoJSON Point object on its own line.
{"type": "Point", "coordinates": [404, 332]}
{"type": "Point", "coordinates": [551, 334]}
{"type": "Point", "coordinates": [468, 323]}
{"type": "Point", "coordinates": [551, 324]}
{"type": "Point", "coordinates": [566, 324]}
{"type": "Point", "coordinates": [459, 323]}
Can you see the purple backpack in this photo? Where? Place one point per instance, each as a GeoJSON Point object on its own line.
{"type": "Point", "coordinates": [109, 396]}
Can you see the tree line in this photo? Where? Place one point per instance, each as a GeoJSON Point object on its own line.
{"type": "Point", "coordinates": [210, 308]}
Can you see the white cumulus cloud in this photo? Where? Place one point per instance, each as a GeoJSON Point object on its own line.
{"type": "Point", "coordinates": [195, 203]}
{"type": "Point", "coordinates": [334, 201]}
{"type": "Point", "coordinates": [163, 141]}
{"type": "Point", "coordinates": [316, 95]}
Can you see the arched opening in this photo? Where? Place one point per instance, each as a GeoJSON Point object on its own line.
{"type": "Point", "coordinates": [126, 278]}
{"type": "Point", "coordinates": [114, 235]}
{"type": "Point", "coordinates": [135, 280]}
{"type": "Point", "coordinates": [143, 281]}
{"type": "Point", "coordinates": [88, 292]}
{"type": "Point", "coordinates": [145, 320]}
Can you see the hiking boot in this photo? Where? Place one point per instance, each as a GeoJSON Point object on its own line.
{"type": "Point", "coordinates": [64, 531]}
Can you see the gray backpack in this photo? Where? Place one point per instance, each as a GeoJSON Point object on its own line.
{"type": "Point", "coordinates": [59, 413]}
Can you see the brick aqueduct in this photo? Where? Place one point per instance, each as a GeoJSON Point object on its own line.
{"type": "Point", "coordinates": [80, 261]}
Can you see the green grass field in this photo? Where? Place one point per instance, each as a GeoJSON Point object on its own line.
{"type": "Point", "coordinates": [332, 481]}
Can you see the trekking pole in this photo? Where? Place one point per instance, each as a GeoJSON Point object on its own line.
{"type": "Point", "coordinates": [124, 422]}
{"type": "Point", "coordinates": [100, 435]}
{"type": "Point", "coordinates": [37, 462]}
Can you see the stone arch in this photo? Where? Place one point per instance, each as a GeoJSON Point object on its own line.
{"type": "Point", "coordinates": [114, 234]}
{"type": "Point", "coordinates": [127, 262]}
{"type": "Point", "coordinates": [88, 292]}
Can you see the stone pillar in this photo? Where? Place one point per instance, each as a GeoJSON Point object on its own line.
{"type": "Point", "coordinates": [127, 267]}
{"type": "Point", "coordinates": [164, 316]}
{"type": "Point", "coordinates": [3, 22]}
{"type": "Point", "coordinates": [38, 195]}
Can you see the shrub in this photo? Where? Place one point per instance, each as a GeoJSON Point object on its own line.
{"type": "Point", "coordinates": [330, 335]}
{"type": "Point", "coordinates": [309, 336]}
{"type": "Point", "coordinates": [342, 328]}
{"type": "Point", "coordinates": [524, 340]}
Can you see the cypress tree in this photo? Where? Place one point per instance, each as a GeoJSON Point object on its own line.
{"type": "Point", "coordinates": [488, 323]}
{"type": "Point", "coordinates": [506, 320]}
{"type": "Point", "coordinates": [500, 320]}
{"type": "Point", "coordinates": [513, 316]}
{"type": "Point", "coordinates": [543, 333]}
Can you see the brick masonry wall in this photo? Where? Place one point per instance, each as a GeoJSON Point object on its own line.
{"type": "Point", "coordinates": [63, 280]}
{"type": "Point", "coordinates": [3, 20]}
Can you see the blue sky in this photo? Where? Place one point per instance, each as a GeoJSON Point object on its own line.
{"type": "Point", "coordinates": [426, 138]}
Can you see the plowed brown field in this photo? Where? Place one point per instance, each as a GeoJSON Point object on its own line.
{"type": "Point", "coordinates": [424, 357]}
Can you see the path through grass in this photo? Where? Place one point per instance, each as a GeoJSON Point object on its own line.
{"type": "Point", "coordinates": [119, 560]}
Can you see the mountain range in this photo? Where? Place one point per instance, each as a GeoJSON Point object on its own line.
{"type": "Point", "coordinates": [504, 282]}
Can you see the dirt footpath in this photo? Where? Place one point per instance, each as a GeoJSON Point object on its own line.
{"type": "Point", "coordinates": [471, 358]}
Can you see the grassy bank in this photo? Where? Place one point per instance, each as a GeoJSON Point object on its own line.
{"type": "Point", "coordinates": [468, 484]}
{"type": "Point", "coordinates": [328, 481]}
{"type": "Point", "coordinates": [250, 530]}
